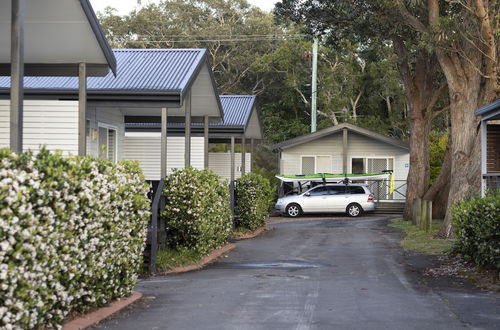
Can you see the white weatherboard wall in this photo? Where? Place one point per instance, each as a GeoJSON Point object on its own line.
{"type": "Point", "coordinates": [111, 118]}
{"type": "Point", "coordinates": [358, 146]}
{"type": "Point", "coordinates": [50, 123]}
{"type": "Point", "coordinates": [220, 163]}
{"type": "Point", "coordinates": [146, 147]}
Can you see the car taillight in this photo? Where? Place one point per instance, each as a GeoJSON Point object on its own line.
{"type": "Point", "coordinates": [370, 198]}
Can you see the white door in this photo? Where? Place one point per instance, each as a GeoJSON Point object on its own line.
{"type": "Point", "coordinates": [377, 165]}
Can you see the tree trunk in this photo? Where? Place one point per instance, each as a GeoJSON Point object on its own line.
{"type": "Point", "coordinates": [439, 191]}
{"type": "Point", "coordinates": [465, 147]}
{"type": "Point", "coordinates": [419, 173]}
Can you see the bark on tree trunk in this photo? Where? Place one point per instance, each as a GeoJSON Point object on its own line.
{"type": "Point", "coordinates": [439, 191]}
{"type": "Point", "coordinates": [465, 151]}
{"type": "Point", "coordinates": [419, 172]}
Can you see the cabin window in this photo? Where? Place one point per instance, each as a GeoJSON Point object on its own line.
{"type": "Point", "coordinates": [358, 165]}
{"type": "Point", "coordinates": [308, 165]}
{"type": "Point", "coordinates": [323, 164]}
{"type": "Point", "coordinates": [316, 164]}
{"type": "Point", "coordinates": [107, 143]}
{"type": "Point", "coordinates": [493, 149]}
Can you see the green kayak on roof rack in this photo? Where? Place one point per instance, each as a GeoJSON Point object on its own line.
{"type": "Point", "coordinates": [323, 177]}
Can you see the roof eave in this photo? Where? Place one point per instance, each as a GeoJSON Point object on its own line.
{"type": "Point", "coordinates": [101, 39]}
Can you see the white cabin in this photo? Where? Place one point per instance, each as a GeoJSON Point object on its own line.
{"type": "Point", "coordinates": [347, 148]}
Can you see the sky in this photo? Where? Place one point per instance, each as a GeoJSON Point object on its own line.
{"type": "Point", "coordinates": [125, 6]}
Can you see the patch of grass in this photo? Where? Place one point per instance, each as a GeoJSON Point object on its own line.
{"type": "Point", "coordinates": [420, 241]}
{"type": "Point", "coordinates": [168, 259]}
{"type": "Point", "coordinates": [241, 231]}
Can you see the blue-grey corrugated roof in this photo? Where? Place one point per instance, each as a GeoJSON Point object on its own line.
{"type": "Point", "coordinates": [487, 108]}
{"type": "Point", "coordinates": [138, 70]}
{"type": "Point", "coordinates": [237, 109]}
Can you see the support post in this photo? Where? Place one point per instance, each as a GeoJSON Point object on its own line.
{"type": "Point", "coordinates": [416, 212]}
{"type": "Point", "coordinates": [252, 154]}
{"type": "Point", "coordinates": [82, 107]}
{"type": "Point", "coordinates": [243, 156]}
{"type": "Point", "coordinates": [423, 218]}
{"type": "Point", "coordinates": [231, 183]}
{"type": "Point", "coordinates": [484, 139]}
{"type": "Point", "coordinates": [187, 137]}
{"type": "Point", "coordinates": [163, 152]}
{"type": "Point", "coordinates": [16, 75]}
{"type": "Point", "coordinates": [314, 88]}
{"type": "Point", "coordinates": [344, 150]}
{"type": "Point", "coordinates": [205, 140]}
{"type": "Point", "coordinates": [428, 222]}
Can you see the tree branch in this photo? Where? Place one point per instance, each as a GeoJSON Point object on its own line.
{"type": "Point", "coordinates": [410, 19]}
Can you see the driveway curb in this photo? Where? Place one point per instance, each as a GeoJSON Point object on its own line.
{"type": "Point", "coordinates": [214, 255]}
{"type": "Point", "coordinates": [102, 313]}
{"type": "Point", "coordinates": [253, 234]}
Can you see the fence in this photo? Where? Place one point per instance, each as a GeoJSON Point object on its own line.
{"type": "Point", "coordinates": [492, 182]}
{"type": "Point", "coordinates": [381, 189]}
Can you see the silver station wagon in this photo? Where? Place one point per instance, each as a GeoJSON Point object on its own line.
{"type": "Point", "coordinates": [353, 199]}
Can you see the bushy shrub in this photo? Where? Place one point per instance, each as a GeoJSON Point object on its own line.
{"type": "Point", "coordinates": [477, 228]}
{"type": "Point", "coordinates": [72, 233]}
{"type": "Point", "coordinates": [254, 197]}
{"type": "Point", "coordinates": [197, 212]}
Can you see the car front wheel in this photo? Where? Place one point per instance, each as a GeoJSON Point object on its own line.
{"type": "Point", "coordinates": [293, 210]}
{"type": "Point", "coordinates": [354, 210]}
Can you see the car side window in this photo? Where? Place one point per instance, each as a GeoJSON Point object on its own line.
{"type": "Point", "coordinates": [356, 190]}
{"type": "Point", "coordinates": [319, 191]}
{"type": "Point", "coordinates": [337, 190]}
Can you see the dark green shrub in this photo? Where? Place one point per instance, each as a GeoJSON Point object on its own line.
{"type": "Point", "coordinates": [477, 228]}
{"type": "Point", "coordinates": [72, 233]}
{"type": "Point", "coordinates": [197, 212]}
{"type": "Point", "coordinates": [254, 197]}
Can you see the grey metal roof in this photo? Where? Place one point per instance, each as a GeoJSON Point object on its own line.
{"type": "Point", "coordinates": [335, 129]}
{"type": "Point", "coordinates": [237, 110]}
{"type": "Point", "coordinates": [488, 108]}
{"type": "Point", "coordinates": [58, 35]}
{"type": "Point", "coordinates": [139, 70]}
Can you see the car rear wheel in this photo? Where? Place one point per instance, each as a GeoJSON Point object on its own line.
{"type": "Point", "coordinates": [293, 210]}
{"type": "Point", "coordinates": [354, 210]}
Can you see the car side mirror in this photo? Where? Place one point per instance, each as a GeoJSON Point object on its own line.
{"type": "Point", "coordinates": [307, 194]}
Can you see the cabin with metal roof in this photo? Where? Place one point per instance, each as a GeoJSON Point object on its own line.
{"type": "Point", "coordinates": [347, 148]}
{"type": "Point", "coordinates": [490, 147]}
{"type": "Point", "coordinates": [173, 84]}
{"type": "Point", "coordinates": [39, 38]}
{"type": "Point", "coordinates": [240, 124]}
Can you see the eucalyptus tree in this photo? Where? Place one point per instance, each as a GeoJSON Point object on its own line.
{"type": "Point", "coordinates": [369, 22]}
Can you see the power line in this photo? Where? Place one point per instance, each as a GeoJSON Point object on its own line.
{"type": "Point", "coordinates": [280, 38]}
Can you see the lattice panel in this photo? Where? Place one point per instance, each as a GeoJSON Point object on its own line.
{"type": "Point", "coordinates": [308, 165]}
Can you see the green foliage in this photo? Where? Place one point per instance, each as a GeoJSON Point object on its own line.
{"type": "Point", "coordinates": [420, 240]}
{"type": "Point", "coordinates": [168, 258]}
{"type": "Point", "coordinates": [254, 198]}
{"type": "Point", "coordinates": [197, 212]}
{"type": "Point", "coordinates": [72, 233]}
{"type": "Point", "coordinates": [477, 228]}
{"type": "Point", "coordinates": [437, 148]}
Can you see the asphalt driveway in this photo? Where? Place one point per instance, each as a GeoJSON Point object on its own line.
{"type": "Point", "coordinates": [320, 274]}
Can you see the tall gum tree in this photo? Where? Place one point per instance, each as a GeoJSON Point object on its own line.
{"type": "Point", "coordinates": [462, 34]}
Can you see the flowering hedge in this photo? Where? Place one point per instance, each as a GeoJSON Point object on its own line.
{"type": "Point", "coordinates": [254, 197]}
{"type": "Point", "coordinates": [72, 233]}
{"type": "Point", "coordinates": [477, 228]}
{"type": "Point", "coordinates": [197, 212]}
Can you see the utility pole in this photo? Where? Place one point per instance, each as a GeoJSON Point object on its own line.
{"type": "Point", "coordinates": [314, 88]}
